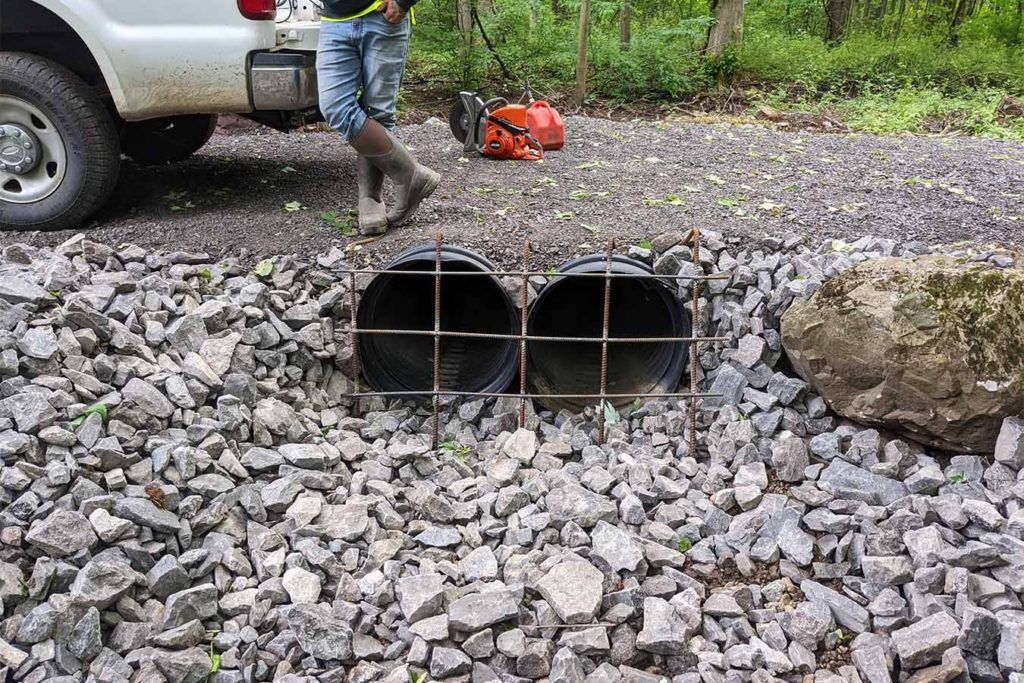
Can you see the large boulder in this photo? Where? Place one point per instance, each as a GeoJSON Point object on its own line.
{"type": "Point", "coordinates": [931, 347]}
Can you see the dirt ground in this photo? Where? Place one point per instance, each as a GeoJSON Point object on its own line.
{"type": "Point", "coordinates": [266, 192]}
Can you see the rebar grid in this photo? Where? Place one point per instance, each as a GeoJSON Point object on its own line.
{"type": "Point", "coordinates": [692, 239]}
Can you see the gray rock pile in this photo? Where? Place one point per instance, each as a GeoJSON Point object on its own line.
{"type": "Point", "coordinates": [187, 495]}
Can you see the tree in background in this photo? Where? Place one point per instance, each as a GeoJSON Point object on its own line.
{"type": "Point", "coordinates": [626, 22]}
{"type": "Point", "coordinates": [727, 30]}
{"type": "Point", "coordinates": [582, 46]}
{"type": "Point", "coordinates": [837, 15]}
{"type": "Point", "coordinates": [807, 53]}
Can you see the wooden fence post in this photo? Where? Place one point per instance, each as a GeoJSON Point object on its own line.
{"type": "Point", "coordinates": [581, 52]}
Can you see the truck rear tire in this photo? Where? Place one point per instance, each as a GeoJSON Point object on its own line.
{"type": "Point", "coordinates": [167, 140]}
{"type": "Point", "coordinates": [59, 150]}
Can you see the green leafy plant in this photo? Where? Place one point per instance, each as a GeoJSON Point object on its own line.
{"type": "Point", "coordinates": [417, 677]}
{"type": "Point", "coordinates": [958, 478]}
{"type": "Point", "coordinates": [345, 223]}
{"type": "Point", "coordinates": [214, 660]}
{"type": "Point", "coordinates": [685, 545]}
{"type": "Point", "coordinates": [645, 244]}
{"type": "Point", "coordinates": [264, 268]}
{"type": "Point", "coordinates": [291, 207]}
{"type": "Point", "coordinates": [456, 449]}
{"type": "Point", "coordinates": [98, 408]}
{"type": "Point", "coordinates": [611, 415]}
{"type": "Point", "coordinates": [205, 273]}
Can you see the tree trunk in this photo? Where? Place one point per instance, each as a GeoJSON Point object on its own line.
{"type": "Point", "coordinates": [464, 22]}
{"type": "Point", "coordinates": [1020, 20]}
{"type": "Point", "coordinates": [960, 12]}
{"type": "Point", "coordinates": [727, 31]}
{"type": "Point", "coordinates": [625, 22]}
{"type": "Point", "coordinates": [837, 14]}
{"type": "Point", "coordinates": [534, 13]}
{"type": "Point", "coordinates": [581, 52]}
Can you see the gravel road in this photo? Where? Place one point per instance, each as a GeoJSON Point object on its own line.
{"type": "Point", "coordinates": [628, 180]}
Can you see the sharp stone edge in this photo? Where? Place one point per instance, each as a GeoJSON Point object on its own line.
{"type": "Point", "coordinates": [226, 517]}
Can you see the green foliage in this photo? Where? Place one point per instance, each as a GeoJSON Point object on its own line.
{"type": "Point", "coordinates": [945, 79]}
{"type": "Point", "coordinates": [264, 268]}
{"type": "Point", "coordinates": [456, 449]}
{"type": "Point", "coordinates": [611, 415]}
{"type": "Point", "coordinates": [345, 223]}
{"type": "Point", "coordinates": [214, 662]}
{"type": "Point", "coordinates": [685, 545]}
{"type": "Point", "coordinates": [931, 111]}
{"type": "Point", "coordinates": [99, 408]}
{"type": "Point", "coordinates": [958, 478]}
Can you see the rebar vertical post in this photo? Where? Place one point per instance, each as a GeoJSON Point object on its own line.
{"type": "Point", "coordinates": [522, 342]}
{"type": "Point", "coordinates": [604, 341]}
{"type": "Point", "coordinates": [354, 331]}
{"type": "Point", "coordinates": [437, 339]}
{"type": "Point", "coordinates": [695, 239]}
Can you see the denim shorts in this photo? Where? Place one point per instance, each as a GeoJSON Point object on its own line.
{"type": "Point", "coordinates": [359, 66]}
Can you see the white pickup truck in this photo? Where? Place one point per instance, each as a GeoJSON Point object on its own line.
{"type": "Point", "coordinates": [84, 81]}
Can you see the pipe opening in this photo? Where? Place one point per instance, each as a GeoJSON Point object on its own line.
{"type": "Point", "coordinates": [575, 307]}
{"type": "Point", "coordinates": [406, 302]}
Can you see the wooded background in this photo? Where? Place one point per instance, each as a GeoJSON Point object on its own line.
{"type": "Point", "coordinates": [935, 56]}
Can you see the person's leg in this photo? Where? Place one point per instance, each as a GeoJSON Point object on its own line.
{"type": "Point", "coordinates": [340, 76]}
{"type": "Point", "coordinates": [384, 50]}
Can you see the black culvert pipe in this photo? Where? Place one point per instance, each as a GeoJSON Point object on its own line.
{"type": "Point", "coordinates": [468, 304]}
{"type": "Point", "coordinates": [574, 307]}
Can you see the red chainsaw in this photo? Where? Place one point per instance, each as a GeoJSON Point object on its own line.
{"type": "Point", "coordinates": [498, 129]}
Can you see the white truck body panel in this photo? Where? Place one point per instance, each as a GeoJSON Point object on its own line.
{"type": "Point", "coordinates": [171, 57]}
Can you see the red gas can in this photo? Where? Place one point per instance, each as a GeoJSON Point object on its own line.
{"type": "Point", "coordinates": [546, 125]}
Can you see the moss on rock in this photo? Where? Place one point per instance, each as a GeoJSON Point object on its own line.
{"type": "Point", "coordinates": [930, 347]}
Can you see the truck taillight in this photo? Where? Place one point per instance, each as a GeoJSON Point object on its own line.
{"type": "Point", "coordinates": [258, 10]}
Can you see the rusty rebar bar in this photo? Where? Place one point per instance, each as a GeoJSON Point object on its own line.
{"type": "Point", "coordinates": [523, 338]}
{"type": "Point", "coordinates": [354, 332]}
{"type": "Point", "coordinates": [498, 394]}
{"type": "Point", "coordinates": [437, 339]}
{"type": "Point", "coordinates": [692, 238]}
{"type": "Point", "coordinates": [605, 325]}
{"type": "Point", "coordinates": [541, 273]}
{"type": "Point", "coordinates": [531, 337]}
{"type": "Point", "coordinates": [694, 304]}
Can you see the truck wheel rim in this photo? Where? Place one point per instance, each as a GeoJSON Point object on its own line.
{"type": "Point", "coordinates": [32, 154]}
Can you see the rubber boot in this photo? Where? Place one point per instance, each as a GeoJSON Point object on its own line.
{"type": "Point", "coordinates": [373, 218]}
{"type": "Point", "coordinates": [413, 181]}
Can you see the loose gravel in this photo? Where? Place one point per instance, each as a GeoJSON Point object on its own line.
{"type": "Point", "coordinates": [613, 179]}
{"type": "Point", "coordinates": [187, 495]}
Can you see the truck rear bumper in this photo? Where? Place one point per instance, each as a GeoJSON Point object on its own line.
{"type": "Point", "coordinates": [283, 81]}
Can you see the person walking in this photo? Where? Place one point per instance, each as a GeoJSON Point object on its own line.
{"type": "Point", "coordinates": [360, 63]}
